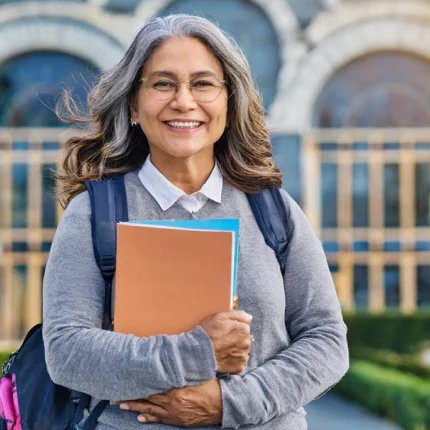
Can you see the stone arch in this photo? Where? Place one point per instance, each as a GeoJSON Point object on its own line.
{"type": "Point", "coordinates": [64, 27]}
{"type": "Point", "coordinates": [283, 20]}
{"type": "Point", "coordinates": [294, 114]}
{"type": "Point", "coordinates": [342, 15]}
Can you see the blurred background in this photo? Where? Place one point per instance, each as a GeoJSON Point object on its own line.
{"type": "Point", "coordinates": [346, 86]}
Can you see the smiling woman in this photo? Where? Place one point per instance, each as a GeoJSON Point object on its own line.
{"type": "Point", "coordinates": [181, 106]}
{"type": "Point", "coordinates": [180, 121]}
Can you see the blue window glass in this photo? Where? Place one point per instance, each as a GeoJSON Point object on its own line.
{"type": "Point", "coordinates": [423, 281]}
{"type": "Point", "coordinates": [422, 193]}
{"type": "Point", "coordinates": [51, 146]}
{"type": "Point", "coordinates": [422, 146]}
{"type": "Point", "coordinates": [392, 246]}
{"type": "Point", "coordinates": [360, 195]}
{"type": "Point", "coordinates": [287, 152]}
{"type": "Point", "coordinates": [30, 85]}
{"type": "Point", "coordinates": [392, 146]}
{"type": "Point", "coordinates": [360, 246]}
{"type": "Point", "coordinates": [46, 246]}
{"type": "Point", "coordinates": [385, 89]}
{"type": "Point", "coordinates": [391, 195]}
{"type": "Point", "coordinates": [392, 286]}
{"type": "Point", "coordinates": [237, 17]}
{"type": "Point", "coordinates": [49, 211]}
{"type": "Point", "coordinates": [20, 195]}
{"type": "Point", "coordinates": [422, 245]}
{"type": "Point", "coordinates": [334, 268]}
{"type": "Point", "coordinates": [361, 286]}
{"type": "Point", "coordinates": [330, 246]}
{"type": "Point", "coordinates": [360, 146]}
{"type": "Point", "coordinates": [19, 247]}
{"type": "Point", "coordinates": [329, 194]}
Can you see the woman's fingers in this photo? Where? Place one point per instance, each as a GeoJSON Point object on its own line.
{"type": "Point", "coordinates": [145, 418]}
{"type": "Point", "coordinates": [145, 408]}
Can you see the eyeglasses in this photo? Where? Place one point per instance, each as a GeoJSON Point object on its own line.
{"type": "Point", "coordinates": [204, 89]}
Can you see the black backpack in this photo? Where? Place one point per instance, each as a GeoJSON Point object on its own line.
{"type": "Point", "coordinates": [45, 405]}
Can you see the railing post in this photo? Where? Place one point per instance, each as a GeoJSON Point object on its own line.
{"type": "Point", "coordinates": [311, 171]}
{"type": "Point", "coordinates": [376, 282]}
{"type": "Point", "coordinates": [33, 314]}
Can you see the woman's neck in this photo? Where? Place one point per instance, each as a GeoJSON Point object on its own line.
{"type": "Point", "coordinates": [188, 174]}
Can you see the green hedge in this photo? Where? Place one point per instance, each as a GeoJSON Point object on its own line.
{"type": "Point", "coordinates": [404, 334]}
{"type": "Point", "coordinates": [403, 398]}
{"type": "Point", "coordinates": [402, 362]}
{"type": "Point", "coordinates": [3, 357]}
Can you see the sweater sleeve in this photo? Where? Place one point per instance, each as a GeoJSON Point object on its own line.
{"type": "Point", "coordinates": [80, 355]}
{"type": "Point", "coordinates": [318, 355]}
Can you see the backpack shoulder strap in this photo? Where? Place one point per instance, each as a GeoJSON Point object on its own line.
{"type": "Point", "coordinates": [273, 218]}
{"type": "Point", "coordinates": [108, 207]}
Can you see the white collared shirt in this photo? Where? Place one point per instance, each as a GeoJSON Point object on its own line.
{"type": "Point", "coordinates": [166, 194]}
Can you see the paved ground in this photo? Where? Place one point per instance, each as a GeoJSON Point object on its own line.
{"type": "Point", "coordinates": [331, 412]}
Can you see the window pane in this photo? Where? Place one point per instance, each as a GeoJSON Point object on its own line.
{"type": "Point", "coordinates": [20, 195]}
{"type": "Point", "coordinates": [361, 286]}
{"type": "Point", "coordinates": [49, 212]}
{"type": "Point", "coordinates": [392, 286]}
{"type": "Point", "coordinates": [423, 282]}
{"type": "Point", "coordinates": [422, 195]}
{"type": "Point", "coordinates": [360, 190]}
{"type": "Point", "coordinates": [391, 195]}
{"type": "Point", "coordinates": [329, 195]}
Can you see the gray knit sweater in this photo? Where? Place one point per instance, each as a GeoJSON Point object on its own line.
{"type": "Point", "coordinates": [300, 347]}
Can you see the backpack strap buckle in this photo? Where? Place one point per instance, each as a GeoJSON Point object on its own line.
{"type": "Point", "coordinates": [8, 364]}
{"type": "Point", "coordinates": [107, 265]}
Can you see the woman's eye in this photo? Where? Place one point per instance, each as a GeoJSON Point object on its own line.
{"type": "Point", "coordinates": [203, 84]}
{"type": "Point", "coordinates": [164, 84]}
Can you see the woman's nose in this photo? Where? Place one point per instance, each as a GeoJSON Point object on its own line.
{"type": "Point", "coordinates": [183, 98]}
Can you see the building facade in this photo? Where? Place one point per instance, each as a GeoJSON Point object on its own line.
{"type": "Point", "coordinates": [346, 86]}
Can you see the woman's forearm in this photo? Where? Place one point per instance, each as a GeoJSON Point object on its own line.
{"type": "Point", "coordinates": [113, 366]}
{"type": "Point", "coordinates": [82, 356]}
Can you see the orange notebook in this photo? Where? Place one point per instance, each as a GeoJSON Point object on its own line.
{"type": "Point", "coordinates": [168, 280]}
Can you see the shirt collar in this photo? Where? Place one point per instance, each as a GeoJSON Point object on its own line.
{"type": "Point", "coordinates": [166, 194]}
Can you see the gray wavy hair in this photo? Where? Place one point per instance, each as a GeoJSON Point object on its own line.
{"type": "Point", "coordinates": [244, 152]}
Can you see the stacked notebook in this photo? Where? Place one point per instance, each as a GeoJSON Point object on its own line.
{"type": "Point", "coordinates": [171, 275]}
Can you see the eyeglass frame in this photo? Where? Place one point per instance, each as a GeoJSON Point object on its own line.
{"type": "Point", "coordinates": [223, 82]}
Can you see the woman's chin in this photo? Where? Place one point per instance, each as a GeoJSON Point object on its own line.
{"type": "Point", "coordinates": [186, 151]}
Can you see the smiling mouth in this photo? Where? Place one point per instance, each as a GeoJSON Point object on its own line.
{"type": "Point", "coordinates": [184, 124]}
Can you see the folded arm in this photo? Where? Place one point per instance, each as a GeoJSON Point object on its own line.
{"type": "Point", "coordinates": [106, 365]}
{"type": "Point", "coordinates": [318, 355]}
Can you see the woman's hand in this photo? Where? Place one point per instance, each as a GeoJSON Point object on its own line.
{"type": "Point", "coordinates": [200, 405]}
{"type": "Point", "coordinates": [230, 333]}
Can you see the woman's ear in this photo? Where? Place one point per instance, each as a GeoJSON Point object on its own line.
{"type": "Point", "coordinates": [134, 114]}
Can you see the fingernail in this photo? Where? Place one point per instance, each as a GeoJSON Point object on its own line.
{"type": "Point", "coordinates": [124, 407]}
{"type": "Point", "coordinates": [141, 419]}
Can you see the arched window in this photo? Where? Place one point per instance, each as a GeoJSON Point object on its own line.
{"type": "Point", "coordinates": [31, 83]}
{"type": "Point", "coordinates": [250, 27]}
{"type": "Point", "coordinates": [390, 90]}
{"type": "Point", "coordinates": [386, 89]}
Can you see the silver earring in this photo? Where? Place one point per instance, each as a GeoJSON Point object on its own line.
{"type": "Point", "coordinates": [133, 123]}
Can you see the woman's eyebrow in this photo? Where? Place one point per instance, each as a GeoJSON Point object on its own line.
{"type": "Point", "coordinates": [169, 74]}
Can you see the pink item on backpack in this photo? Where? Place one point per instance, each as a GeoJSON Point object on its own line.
{"type": "Point", "coordinates": [9, 408]}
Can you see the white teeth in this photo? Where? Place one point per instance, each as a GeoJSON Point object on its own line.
{"type": "Point", "coordinates": [178, 124]}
